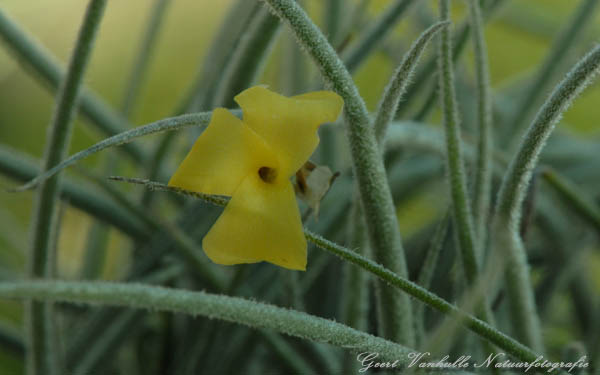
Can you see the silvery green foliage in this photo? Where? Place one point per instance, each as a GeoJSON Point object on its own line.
{"type": "Point", "coordinates": [516, 179]}
{"type": "Point", "coordinates": [506, 222]}
{"type": "Point", "coordinates": [427, 71]}
{"type": "Point", "coordinates": [483, 172]}
{"type": "Point", "coordinates": [368, 167]}
{"type": "Point", "coordinates": [401, 79]}
{"type": "Point", "coordinates": [384, 274]}
{"type": "Point", "coordinates": [233, 309]}
{"type": "Point", "coordinates": [427, 271]}
{"type": "Point", "coordinates": [41, 334]}
{"type": "Point", "coordinates": [454, 152]}
{"type": "Point", "coordinates": [170, 253]}
{"type": "Point", "coordinates": [168, 124]}
{"type": "Point", "coordinates": [461, 208]}
{"type": "Point", "coordinates": [356, 309]}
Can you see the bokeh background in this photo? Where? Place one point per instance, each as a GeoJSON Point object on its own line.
{"type": "Point", "coordinates": [518, 38]}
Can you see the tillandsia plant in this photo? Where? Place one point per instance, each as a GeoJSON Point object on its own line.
{"type": "Point", "coordinates": [308, 140]}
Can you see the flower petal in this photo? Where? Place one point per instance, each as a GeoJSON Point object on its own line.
{"type": "Point", "coordinates": [225, 153]}
{"type": "Point", "coordinates": [289, 125]}
{"type": "Point", "coordinates": [260, 223]}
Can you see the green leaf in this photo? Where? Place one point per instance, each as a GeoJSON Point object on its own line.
{"type": "Point", "coordinates": [368, 167]}
{"type": "Point", "coordinates": [513, 191]}
{"type": "Point", "coordinates": [168, 124]}
{"type": "Point", "coordinates": [232, 309]}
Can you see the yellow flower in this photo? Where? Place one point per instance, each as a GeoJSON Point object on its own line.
{"type": "Point", "coordinates": [252, 161]}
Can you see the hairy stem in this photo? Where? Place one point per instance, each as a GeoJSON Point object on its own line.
{"type": "Point", "coordinates": [483, 163]}
{"type": "Point", "coordinates": [232, 309]}
{"type": "Point", "coordinates": [427, 271]}
{"type": "Point", "coordinates": [185, 246]}
{"type": "Point", "coordinates": [355, 305]}
{"type": "Point", "coordinates": [422, 77]}
{"type": "Point", "coordinates": [400, 80]}
{"type": "Point", "coordinates": [167, 124]}
{"type": "Point", "coordinates": [368, 167]}
{"type": "Point", "coordinates": [42, 357]}
{"type": "Point", "coordinates": [513, 191]}
{"type": "Point", "coordinates": [481, 328]}
{"type": "Point", "coordinates": [454, 152]}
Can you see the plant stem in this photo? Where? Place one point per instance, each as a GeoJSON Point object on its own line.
{"type": "Point", "coordinates": [427, 271]}
{"type": "Point", "coordinates": [454, 153]}
{"type": "Point", "coordinates": [167, 124]}
{"type": "Point", "coordinates": [461, 208]}
{"type": "Point", "coordinates": [400, 80]}
{"type": "Point", "coordinates": [513, 190]}
{"type": "Point", "coordinates": [355, 301]}
{"type": "Point", "coordinates": [41, 346]}
{"type": "Point", "coordinates": [113, 332]}
{"type": "Point", "coordinates": [368, 168]}
{"type": "Point", "coordinates": [356, 292]}
{"type": "Point", "coordinates": [475, 325]}
{"type": "Point", "coordinates": [461, 35]}
{"type": "Point", "coordinates": [199, 96]}
{"type": "Point", "coordinates": [186, 247]}
{"type": "Point", "coordinates": [483, 171]}
{"type": "Point", "coordinates": [232, 309]}
{"type": "Point", "coordinates": [481, 328]}
{"type": "Point", "coordinates": [214, 199]}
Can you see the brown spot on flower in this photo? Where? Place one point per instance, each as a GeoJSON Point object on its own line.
{"type": "Point", "coordinates": [267, 174]}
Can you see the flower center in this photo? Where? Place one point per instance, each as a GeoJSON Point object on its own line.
{"type": "Point", "coordinates": [267, 174]}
